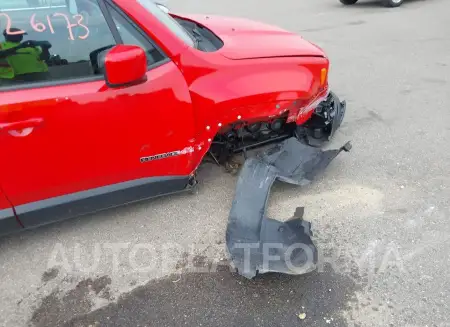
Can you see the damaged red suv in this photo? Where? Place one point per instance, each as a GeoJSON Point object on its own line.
{"type": "Point", "coordinates": [105, 102]}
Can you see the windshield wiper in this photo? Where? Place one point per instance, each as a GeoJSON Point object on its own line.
{"type": "Point", "coordinates": [198, 37]}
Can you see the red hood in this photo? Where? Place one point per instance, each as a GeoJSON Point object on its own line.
{"type": "Point", "coordinates": [244, 39]}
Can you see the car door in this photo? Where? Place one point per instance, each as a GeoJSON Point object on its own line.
{"type": "Point", "coordinates": [70, 144]}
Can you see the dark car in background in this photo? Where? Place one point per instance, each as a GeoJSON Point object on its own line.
{"type": "Point", "coordinates": [386, 3]}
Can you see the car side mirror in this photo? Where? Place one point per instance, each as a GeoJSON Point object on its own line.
{"type": "Point", "coordinates": [125, 65]}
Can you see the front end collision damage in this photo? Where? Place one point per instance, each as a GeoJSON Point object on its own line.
{"type": "Point", "coordinates": [313, 123]}
{"type": "Point", "coordinates": [258, 244]}
{"type": "Point", "coordinates": [326, 119]}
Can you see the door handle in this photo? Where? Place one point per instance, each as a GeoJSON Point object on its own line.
{"type": "Point", "coordinates": [21, 128]}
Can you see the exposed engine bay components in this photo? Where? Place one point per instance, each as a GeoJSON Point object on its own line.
{"type": "Point", "coordinates": [277, 124]}
{"type": "Point", "coordinates": [327, 118]}
{"type": "Point", "coordinates": [258, 244]}
{"type": "Point", "coordinates": [253, 128]}
{"type": "Point", "coordinates": [242, 136]}
{"type": "Point", "coordinates": [320, 128]}
{"type": "Point", "coordinates": [231, 136]}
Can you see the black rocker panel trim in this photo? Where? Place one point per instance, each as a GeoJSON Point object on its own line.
{"type": "Point", "coordinates": [81, 203]}
{"type": "Point", "coordinates": [8, 222]}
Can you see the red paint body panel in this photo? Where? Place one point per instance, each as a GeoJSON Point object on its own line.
{"type": "Point", "coordinates": [256, 89]}
{"type": "Point", "coordinates": [245, 38]}
{"type": "Point", "coordinates": [92, 135]}
{"type": "Point", "coordinates": [4, 203]}
{"type": "Point", "coordinates": [88, 135]}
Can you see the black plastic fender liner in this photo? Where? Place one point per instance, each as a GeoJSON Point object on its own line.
{"type": "Point", "coordinates": [258, 244]}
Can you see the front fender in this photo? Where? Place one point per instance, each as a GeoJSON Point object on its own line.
{"type": "Point", "coordinates": [225, 91]}
{"type": "Point", "coordinates": [257, 89]}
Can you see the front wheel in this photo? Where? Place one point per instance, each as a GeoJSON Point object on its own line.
{"type": "Point", "coordinates": [392, 3]}
{"type": "Point", "coordinates": [348, 2]}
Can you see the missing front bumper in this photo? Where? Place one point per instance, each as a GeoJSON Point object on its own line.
{"type": "Point", "coordinates": [325, 121]}
{"type": "Point", "coordinates": [258, 244]}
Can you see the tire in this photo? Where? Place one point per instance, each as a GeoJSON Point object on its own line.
{"type": "Point", "coordinates": [348, 2]}
{"type": "Point", "coordinates": [392, 3]}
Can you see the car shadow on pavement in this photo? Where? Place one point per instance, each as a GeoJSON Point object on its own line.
{"type": "Point", "coordinates": [220, 298]}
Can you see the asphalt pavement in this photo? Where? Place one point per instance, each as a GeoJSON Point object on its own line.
{"type": "Point", "coordinates": [379, 213]}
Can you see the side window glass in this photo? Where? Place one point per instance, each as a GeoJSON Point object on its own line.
{"type": "Point", "coordinates": [50, 40]}
{"type": "Point", "coordinates": [131, 35]}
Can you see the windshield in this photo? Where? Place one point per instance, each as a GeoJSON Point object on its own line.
{"type": "Point", "coordinates": [167, 20]}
